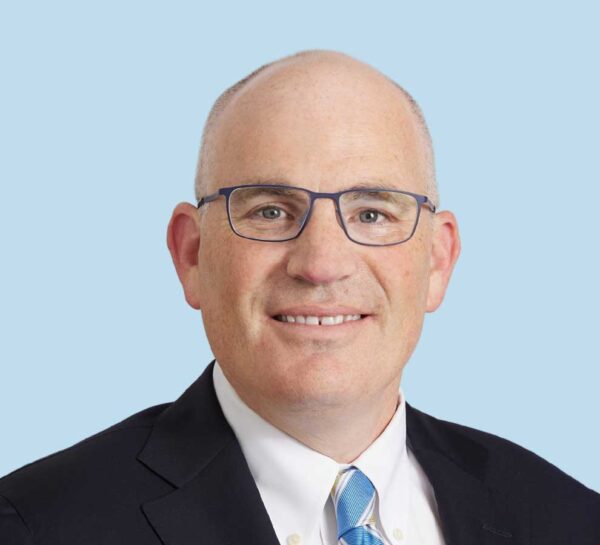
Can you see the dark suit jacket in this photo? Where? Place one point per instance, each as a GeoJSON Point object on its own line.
{"type": "Point", "coordinates": [175, 474]}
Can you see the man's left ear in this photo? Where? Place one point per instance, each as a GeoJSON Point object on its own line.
{"type": "Point", "coordinates": [445, 249]}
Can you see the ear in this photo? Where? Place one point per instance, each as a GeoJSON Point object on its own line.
{"type": "Point", "coordinates": [445, 249]}
{"type": "Point", "coordinates": [183, 240]}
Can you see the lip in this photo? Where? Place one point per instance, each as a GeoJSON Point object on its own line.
{"type": "Point", "coordinates": [312, 310]}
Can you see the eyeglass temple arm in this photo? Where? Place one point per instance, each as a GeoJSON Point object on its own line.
{"type": "Point", "coordinates": [208, 198]}
{"type": "Point", "coordinates": [429, 204]}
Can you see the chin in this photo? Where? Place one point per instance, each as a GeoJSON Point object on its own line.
{"type": "Point", "coordinates": [315, 384]}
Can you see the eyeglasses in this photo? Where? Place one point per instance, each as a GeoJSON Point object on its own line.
{"type": "Point", "coordinates": [277, 213]}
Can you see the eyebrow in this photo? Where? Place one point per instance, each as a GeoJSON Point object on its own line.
{"type": "Point", "coordinates": [367, 183]}
{"type": "Point", "coordinates": [371, 195]}
{"type": "Point", "coordinates": [261, 191]}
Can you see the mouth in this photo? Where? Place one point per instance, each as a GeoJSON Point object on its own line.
{"type": "Point", "coordinates": [339, 324]}
{"type": "Point", "coordinates": [319, 320]}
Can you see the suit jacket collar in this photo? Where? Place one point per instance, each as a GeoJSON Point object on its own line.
{"type": "Point", "coordinates": [215, 499]}
{"type": "Point", "coordinates": [471, 511]}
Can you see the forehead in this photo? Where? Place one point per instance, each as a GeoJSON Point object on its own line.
{"type": "Point", "coordinates": [319, 126]}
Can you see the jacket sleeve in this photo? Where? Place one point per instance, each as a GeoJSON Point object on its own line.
{"type": "Point", "coordinates": [13, 530]}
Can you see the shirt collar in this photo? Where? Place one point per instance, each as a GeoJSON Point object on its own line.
{"type": "Point", "coordinates": [294, 480]}
{"type": "Point", "coordinates": [385, 463]}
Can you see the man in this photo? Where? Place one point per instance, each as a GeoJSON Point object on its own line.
{"type": "Point", "coordinates": [313, 254]}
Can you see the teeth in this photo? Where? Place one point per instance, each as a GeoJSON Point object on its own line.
{"type": "Point", "coordinates": [319, 320]}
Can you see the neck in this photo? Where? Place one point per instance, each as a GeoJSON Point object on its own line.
{"type": "Point", "coordinates": [326, 428]}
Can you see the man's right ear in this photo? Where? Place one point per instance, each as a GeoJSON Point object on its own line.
{"type": "Point", "coordinates": [183, 240]}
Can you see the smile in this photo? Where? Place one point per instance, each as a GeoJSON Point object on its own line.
{"type": "Point", "coordinates": [318, 320]}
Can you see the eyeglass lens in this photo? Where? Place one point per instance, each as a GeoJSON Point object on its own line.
{"type": "Point", "coordinates": [274, 214]}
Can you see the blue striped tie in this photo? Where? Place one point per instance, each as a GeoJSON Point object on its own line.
{"type": "Point", "coordinates": [353, 497]}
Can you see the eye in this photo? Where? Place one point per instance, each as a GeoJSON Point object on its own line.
{"type": "Point", "coordinates": [270, 213]}
{"type": "Point", "coordinates": [369, 216]}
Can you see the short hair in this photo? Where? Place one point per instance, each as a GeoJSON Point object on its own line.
{"type": "Point", "coordinates": [225, 98]}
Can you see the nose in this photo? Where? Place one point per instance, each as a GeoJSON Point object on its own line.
{"type": "Point", "coordinates": [322, 254]}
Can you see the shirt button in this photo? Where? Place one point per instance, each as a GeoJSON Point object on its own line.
{"type": "Point", "coordinates": [293, 539]}
{"type": "Point", "coordinates": [398, 534]}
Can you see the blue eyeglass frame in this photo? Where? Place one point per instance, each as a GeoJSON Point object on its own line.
{"type": "Point", "coordinates": [314, 195]}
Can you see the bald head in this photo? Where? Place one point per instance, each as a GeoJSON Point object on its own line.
{"type": "Point", "coordinates": [318, 88]}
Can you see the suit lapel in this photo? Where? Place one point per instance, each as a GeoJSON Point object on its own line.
{"type": "Point", "coordinates": [471, 512]}
{"type": "Point", "coordinates": [215, 499]}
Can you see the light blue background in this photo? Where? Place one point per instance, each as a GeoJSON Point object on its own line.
{"type": "Point", "coordinates": [101, 113]}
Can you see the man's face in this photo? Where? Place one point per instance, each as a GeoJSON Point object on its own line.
{"type": "Point", "coordinates": [325, 134]}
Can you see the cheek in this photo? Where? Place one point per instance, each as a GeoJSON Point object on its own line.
{"type": "Point", "coordinates": [414, 283]}
{"type": "Point", "coordinates": [234, 281]}
{"type": "Point", "coordinates": [226, 289]}
{"type": "Point", "coordinates": [406, 289]}
{"type": "Point", "coordinates": [407, 276]}
{"type": "Point", "coordinates": [224, 278]}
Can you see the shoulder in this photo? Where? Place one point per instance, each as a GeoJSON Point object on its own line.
{"type": "Point", "coordinates": [118, 438]}
{"type": "Point", "coordinates": [511, 469]}
{"type": "Point", "coordinates": [98, 471]}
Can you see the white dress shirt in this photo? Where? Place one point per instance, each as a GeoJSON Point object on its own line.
{"type": "Point", "coordinates": [294, 480]}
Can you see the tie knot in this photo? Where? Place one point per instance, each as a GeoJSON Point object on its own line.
{"type": "Point", "coordinates": [353, 497]}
